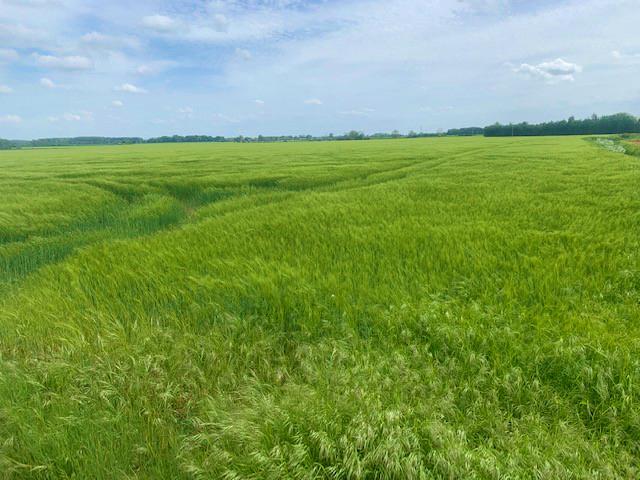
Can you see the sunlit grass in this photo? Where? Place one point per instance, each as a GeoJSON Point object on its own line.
{"type": "Point", "coordinates": [443, 308]}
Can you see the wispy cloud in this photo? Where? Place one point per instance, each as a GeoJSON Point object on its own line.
{"type": "Point", "coordinates": [361, 112]}
{"type": "Point", "coordinates": [71, 62]}
{"type": "Point", "coordinates": [8, 54]}
{"type": "Point", "coordinates": [82, 116]}
{"type": "Point", "coordinates": [155, 67]}
{"type": "Point", "coordinates": [97, 40]}
{"type": "Point", "coordinates": [17, 35]}
{"type": "Point", "coordinates": [235, 21]}
{"type": "Point", "coordinates": [625, 56]}
{"type": "Point", "coordinates": [14, 119]}
{"type": "Point", "coordinates": [186, 112]}
{"type": "Point", "coordinates": [485, 7]}
{"type": "Point", "coordinates": [5, 89]}
{"type": "Point", "coordinates": [129, 88]}
{"type": "Point", "coordinates": [48, 83]}
{"type": "Point", "coordinates": [316, 63]}
{"type": "Point", "coordinates": [161, 23]}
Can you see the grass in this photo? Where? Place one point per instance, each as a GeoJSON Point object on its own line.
{"type": "Point", "coordinates": [439, 308]}
{"type": "Point", "coordinates": [631, 144]}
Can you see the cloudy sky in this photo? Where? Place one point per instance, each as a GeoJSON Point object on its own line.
{"type": "Point", "coordinates": [229, 67]}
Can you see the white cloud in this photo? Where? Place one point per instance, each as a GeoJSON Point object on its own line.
{"type": "Point", "coordinates": [144, 70]}
{"type": "Point", "coordinates": [313, 101]}
{"type": "Point", "coordinates": [99, 40]}
{"type": "Point", "coordinates": [553, 71]}
{"type": "Point", "coordinates": [48, 83]}
{"type": "Point", "coordinates": [94, 37]}
{"type": "Point", "coordinates": [5, 89]}
{"type": "Point", "coordinates": [130, 88]}
{"type": "Point", "coordinates": [160, 23]}
{"type": "Point", "coordinates": [117, 103]}
{"type": "Point", "coordinates": [625, 57]}
{"type": "Point", "coordinates": [186, 112]}
{"type": "Point", "coordinates": [155, 68]}
{"type": "Point", "coordinates": [15, 119]}
{"type": "Point", "coordinates": [71, 63]}
{"type": "Point", "coordinates": [72, 117]}
{"type": "Point", "coordinates": [235, 22]}
{"type": "Point", "coordinates": [19, 36]}
{"type": "Point", "coordinates": [259, 102]}
{"type": "Point", "coordinates": [8, 54]}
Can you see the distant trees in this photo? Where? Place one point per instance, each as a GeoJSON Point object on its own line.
{"type": "Point", "coordinates": [354, 135]}
{"type": "Point", "coordinates": [610, 124]}
{"type": "Point", "coordinates": [11, 144]}
{"type": "Point", "coordinates": [185, 139]}
{"type": "Point", "coordinates": [77, 141]}
{"type": "Point", "coordinates": [465, 132]}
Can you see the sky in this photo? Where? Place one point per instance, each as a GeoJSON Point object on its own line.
{"type": "Point", "coordinates": [248, 67]}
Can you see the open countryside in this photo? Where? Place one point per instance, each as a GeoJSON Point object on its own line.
{"type": "Point", "coordinates": [319, 240]}
{"type": "Point", "coordinates": [415, 308]}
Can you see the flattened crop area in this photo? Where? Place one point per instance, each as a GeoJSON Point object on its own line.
{"type": "Point", "coordinates": [430, 308]}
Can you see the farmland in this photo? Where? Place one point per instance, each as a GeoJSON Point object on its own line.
{"type": "Point", "coordinates": [426, 308]}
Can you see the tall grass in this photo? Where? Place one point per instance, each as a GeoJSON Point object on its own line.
{"type": "Point", "coordinates": [442, 308]}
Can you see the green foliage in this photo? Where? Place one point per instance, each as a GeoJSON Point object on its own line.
{"type": "Point", "coordinates": [354, 135]}
{"type": "Point", "coordinates": [441, 308]}
{"type": "Point", "coordinates": [608, 124]}
{"type": "Point", "coordinates": [631, 144]}
{"type": "Point", "coordinates": [464, 132]}
{"type": "Point", "coordinates": [79, 141]}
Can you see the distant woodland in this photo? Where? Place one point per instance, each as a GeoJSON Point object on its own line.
{"type": "Point", "coordinates": [609, 124]}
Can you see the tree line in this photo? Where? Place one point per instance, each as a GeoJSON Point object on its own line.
{"type": "Point", "coordinates": [79, 141]}
{"type": "Point", "coordinates": [84, 141]}
{"type": "Point", "coordinates": [608, 124]}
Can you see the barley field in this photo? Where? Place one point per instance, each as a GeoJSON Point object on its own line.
{"type": "Point", "coordinates": [447, 308]}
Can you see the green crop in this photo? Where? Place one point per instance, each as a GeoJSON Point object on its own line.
{"type": "Point", "coordinates": [431, 308]}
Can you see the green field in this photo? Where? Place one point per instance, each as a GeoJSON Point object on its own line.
{"type": "Point", "coordinates": [433, 308]}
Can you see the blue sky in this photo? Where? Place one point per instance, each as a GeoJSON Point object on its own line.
{"type": "Point", "coordinates": [230, 67]}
